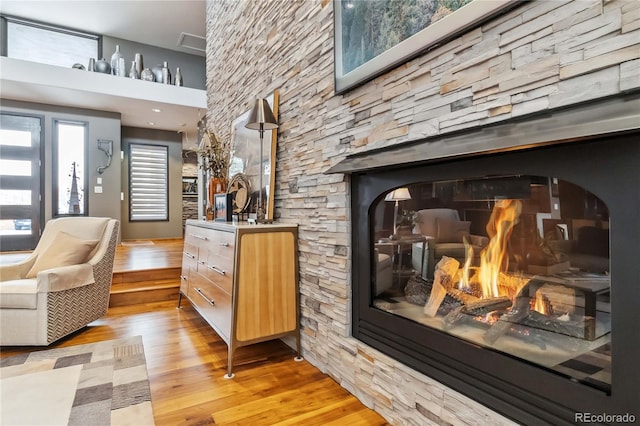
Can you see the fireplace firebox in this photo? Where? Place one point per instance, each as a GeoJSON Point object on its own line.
{"type": "Point", "coordinates": [508, 267]}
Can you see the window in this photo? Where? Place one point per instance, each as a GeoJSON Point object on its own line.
{"type": "Point", "coordinates": [20, 179]}
{"type": "Point", "coordinates": [51, 45]}
{"type": "Point", "coordinates": [69, 168]}
{"type": "Point", "coordinates": [148, 182]}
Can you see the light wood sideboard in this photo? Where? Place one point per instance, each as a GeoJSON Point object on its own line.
{"type": "Point", "coordinates": [243, 280]}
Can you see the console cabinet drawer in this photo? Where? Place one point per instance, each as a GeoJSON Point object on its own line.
{"type": "Point", "coordinates": [212, 303]}
{"type": "Point", "coordinates": [219, 270]}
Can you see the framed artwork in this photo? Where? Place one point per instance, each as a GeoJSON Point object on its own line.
{"type": "Point", "coordinates": [375, 36]}
{"type": "Point", "coordinates": [222, 203]}
{"type": "Point", "coordinates": [190, 185]}
{"type": "Point", "coordinates": [245, 165]}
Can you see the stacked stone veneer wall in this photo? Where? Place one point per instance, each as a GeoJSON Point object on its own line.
{"type": "Point", "coordinates": [542, 55]}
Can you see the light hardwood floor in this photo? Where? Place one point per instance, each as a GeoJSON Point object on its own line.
{"type": "Point", "coordinates": [148, 254]}
{"type": "Point", "coordinates": [186, 361]}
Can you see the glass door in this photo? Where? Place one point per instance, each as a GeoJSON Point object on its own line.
{"type": "Point", "coordinates": [20, 167]}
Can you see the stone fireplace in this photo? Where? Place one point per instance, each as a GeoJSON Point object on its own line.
{"type": "Point", "coordinates": [537, 58]}
{"type": "Point", "coordinates": [538, 321]}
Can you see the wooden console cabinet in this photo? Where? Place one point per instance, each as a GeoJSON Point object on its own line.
{"type": "Point", "coordinates": [243, 280]}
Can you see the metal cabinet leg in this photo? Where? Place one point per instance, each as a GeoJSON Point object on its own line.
{"type": "Point", "coordinates": [230, 374]}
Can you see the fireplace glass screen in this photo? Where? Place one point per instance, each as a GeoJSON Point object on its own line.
{"type": "Point", "coordinates": [514, 264]}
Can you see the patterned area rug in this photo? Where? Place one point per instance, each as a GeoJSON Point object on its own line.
{"type": "Point", "coordinates": [103, 383]}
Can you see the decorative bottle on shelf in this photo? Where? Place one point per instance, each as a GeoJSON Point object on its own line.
{"type": "Point", "coordinates": [115, 60]}
{"type": "Point", "coordinates": [147, 75]}
{"type": "Point", "coordinates": [157, 72]}
{"type": "Point", "coordinates": [166, 74]}
{"type": "Point", "coordinates": [122, 68]}
{"type": "Point", "coordinates": [92, 65]}
{"type": "Point", "coordinates": [133, 72]}
{"type": "Point", "coordinates": [103, 66]}
{"type": "Point", "coordinates": [178, 78]}
{"type": "Point", "coordinates": [139, 63]}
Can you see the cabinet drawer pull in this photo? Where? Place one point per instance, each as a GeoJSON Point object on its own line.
{"type": "Point", "coordinates": [224, 244]}
{"type": "Point", "coordinates": [200, 237]}
{"type": "Point", "coordinates": [209, 301]}
{"type": "Point", "coordinates": [183, 277]}
{"type": "Point", "coordinates": [202, 262]}
{"type": "Point", "coordinates": [189, 255]}
{"type": "Point", "coordinates": [216, 269]}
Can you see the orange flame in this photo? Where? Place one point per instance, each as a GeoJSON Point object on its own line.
{"type": "Point", "coordinates": [541, 304]}
{"type": "Point", "coordinates": [494, 257]}
{"type": "Point", "coordinates": [465, 278]}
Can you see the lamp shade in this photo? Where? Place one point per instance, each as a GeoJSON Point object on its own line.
{"type": "Point", "coordinates": [261, 116]}
{"type": "Point", "coordinates": [399, 194]}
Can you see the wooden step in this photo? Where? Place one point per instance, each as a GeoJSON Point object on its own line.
{"type": "Point", "coordinates": [125, 294]}
{"type": "Point", "coordinates": [146, 275]}
{"type": "Point", "coordinates": [144, 286]}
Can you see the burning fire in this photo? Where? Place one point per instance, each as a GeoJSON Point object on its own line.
{"type": "Point", "coordinates": [542, 304]}
{"type": "Point", "coordinates": [494, 259]}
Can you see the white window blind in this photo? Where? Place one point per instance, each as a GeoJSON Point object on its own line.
{"type": "Point", "coordinates": [49, 44]}
{"type": "Point", "coordinates": [148, 183]}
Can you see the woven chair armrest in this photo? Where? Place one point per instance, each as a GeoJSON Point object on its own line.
{"type": "Point", "coordinates": [65, 278]}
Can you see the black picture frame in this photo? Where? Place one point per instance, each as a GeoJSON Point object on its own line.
{"type": "Point", "coordinates": [189, 185]}
{"type": "Point", "coordinates": [222, 212]}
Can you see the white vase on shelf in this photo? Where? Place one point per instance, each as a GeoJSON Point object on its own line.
{"type": "Point", "coordinates": [133, 72]}
{"type": "Point", "coordinates": [115, 60]}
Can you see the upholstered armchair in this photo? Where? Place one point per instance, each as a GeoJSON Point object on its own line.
{"type": "Point", "coordinates": [444, 232]}
{"type": "Point", "coordinates": [62, 286]}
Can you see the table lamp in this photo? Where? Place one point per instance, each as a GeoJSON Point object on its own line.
{"type": "Point", "coordinates": [261, 118]}
{"type": "Point", "coordinates": [397, 195]}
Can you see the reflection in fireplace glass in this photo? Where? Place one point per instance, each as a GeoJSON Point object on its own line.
{"type": "Point", "coordinates": [518, 264]}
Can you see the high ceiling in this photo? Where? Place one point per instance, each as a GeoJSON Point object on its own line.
{"type": "Point", "coordinates": [157, 23]}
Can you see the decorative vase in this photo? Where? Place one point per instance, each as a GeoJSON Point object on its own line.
{"type": "Point", "coordinates": [133, 72]}
{"type": "Point", "coordinates": [122, 68]}
{"type": "Point", "coordinates": [157, 72]}
{"type": "Point", "coordinates": [166, 74]}
{"type": "Point", "coordinates": [139, 63]}
{"type": "Point", "coordinates": [216, 186]}
{"type": "Point", "coordinates": [115, 61]}
{"type": "Point", "coordinates": [92, 65]}
{"type": "Point", "coordinates": [147, 75]}
{"type": "Point", "coordinates": [178, 79]}
{"type": "Point", "coordinates": [103, 66]}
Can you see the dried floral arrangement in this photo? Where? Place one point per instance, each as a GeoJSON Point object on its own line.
{"type": "Point", "coordinates": [215, 155]}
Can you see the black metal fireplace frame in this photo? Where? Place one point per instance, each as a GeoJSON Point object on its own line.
{"type": "Point", "coordinates": [608, 166]}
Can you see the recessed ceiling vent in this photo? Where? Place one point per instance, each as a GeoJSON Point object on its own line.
{"type": "Point", "coordinates": [191, 41]}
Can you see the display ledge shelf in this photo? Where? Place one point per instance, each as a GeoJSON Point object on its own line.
{"type": "Point", "coordinates": [134, 99]}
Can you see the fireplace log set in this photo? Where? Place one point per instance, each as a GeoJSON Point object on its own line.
{"type": "Point", "coordinates": [517, 315]}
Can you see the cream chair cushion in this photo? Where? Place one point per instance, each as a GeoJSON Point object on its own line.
{"type": "Point", "coordinates": [19, 294]}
